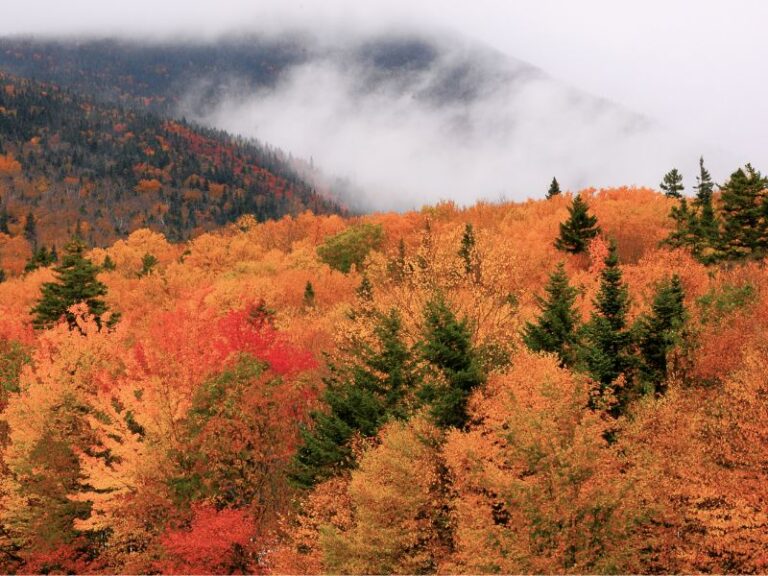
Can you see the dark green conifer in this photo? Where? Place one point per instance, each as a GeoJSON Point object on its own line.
{"type": "Point", "coordinates": [30, 229]}
{"type": "Point", "coordinates": [309, 295]}
{"type": "Point", "coordinates": [108, 264]}
{"type": "Point", "coordinates": [605, 351]}
{"type": "Point", "coordinates": [4, 219]}
{"type": "Point", "coordinates": [660, 331]}
{"type": "Point", "coordinates": [673, 184]}
{"type": "Point", "coordinates": [744, 210]}
{"type": "Point", "coordinates": [555, 329]}
{"type": "Point", "coordinates": [707, 224]}
{"type": "Point", "coordinates": [554, 189]}
{"type": "Point", "coordinates": [76, 282]}
{"type": "Point", "coordinates": [467, 251]}
{"type": "Point", "coordinates": [360, 397]}
{"type": "Point", "coordinates": [578, 229]}
{"type": "Point", "coordinates": [148, 263]}
{"type": "Point", "coordinates": [447, 347]}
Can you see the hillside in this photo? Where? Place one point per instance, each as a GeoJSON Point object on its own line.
{"type": "Point", "coordinates": [72, 162]}
{"type": "Point", "coordinates": [184, 440]}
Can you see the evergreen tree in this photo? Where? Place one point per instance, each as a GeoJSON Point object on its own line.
{"type": "Point", "coordinates": [605, 351]}
{"type": "Point", "coordinates": [40, 258]}
{"type": "Point", "coordinates": [578, 229]}
{"type": "Point", "coordinates": [76, 282]}
{"type": "Point", "coordinates": [467, 251]}
{"type": "Point", "coordinates": [360, 397]}
{"type": "Point", "coordinates": [673, 184]}
{"type": "Point", "coordinates": [707, 225]}
{"type": "Point", "coordinates": [744, 209]}
{"type": "Point", "coordinates": [447, 347]}
{"type": "Point", "coordinates": [684, 234]}
{"type": "Point", "coordinates": [30, 229]}
{"type": "Point", "coordinates": [554, 189]}
{"type": "Point", "coordinates": [108, 264]}
{"type": "Point", "coordinates": [660, 331]}
{"type": "Point", "coordinates": [148, 263]}
{"type": "Point", "coordinates": [4, 219]}
{"type": "Point", "coordinates": [309, 295]}
{"type": "Point", "coordinates": [555, 329]}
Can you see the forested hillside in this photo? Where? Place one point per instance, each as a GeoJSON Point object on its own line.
{"type": "Point", "coordinates": [550, 386]}
{"type": "Point", "coordinates": [69, 164]}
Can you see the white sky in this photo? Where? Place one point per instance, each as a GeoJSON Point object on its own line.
{"type": "Point", "coordinates": [698, 66]}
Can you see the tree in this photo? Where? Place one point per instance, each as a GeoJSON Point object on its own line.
{"type": "Point", "coordinates": [554, 189]}
{"type": "Point", "coordinates": [30, 229]}
{"type": "Point", "coordinates": [467, 251]}
{"type": "Point", "coordinates": [605, 353]}
{"type": "Point", "coordinates": [707, 224]}
{"type": "Point", "coordinates": [309, 295]}
{"type": "Point", "coordinates": [351, 246]}
{"type": "Point", "coordinates": [660, 331]}
{"type": "Point", "coordinates": [685, 233]}
{"type": "Point", "coordinates": [76, 282]}
{"type": "Point", "coordinates": [447, 347]}
{"type": "Point", "coordinates": [148, 263]}
{"type": "Point", "coordinates": [555, 329]}
{"type": "Point", "coordinates": [360, 397]}
{"type": "Point", "coordinates": [672, 184]}
{"type": "Point", "coordinates": [580, 227]}
{"type": "Point", "coordinates": [745, 230]}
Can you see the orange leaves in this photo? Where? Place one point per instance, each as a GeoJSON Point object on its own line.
{"type": "Point", "coordinates": [152, 185]}
{"type": "Point", "coordinates": [9, 166]}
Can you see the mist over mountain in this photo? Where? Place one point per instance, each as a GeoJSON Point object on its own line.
{"type": "Point", "coordinates": [408, 118]}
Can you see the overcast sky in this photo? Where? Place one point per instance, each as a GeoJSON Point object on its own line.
{"type": "Point", "coordinates": [697, 66]}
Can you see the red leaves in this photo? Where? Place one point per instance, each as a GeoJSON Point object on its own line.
{"type": "Point", "coordinates": [216, 542]}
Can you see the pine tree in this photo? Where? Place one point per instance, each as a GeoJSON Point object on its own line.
{"type": "Point", "coordinates": [468, 253]}
{"type": "Point", "coordinates": [555, 329]}
{"type": "Point", "coordinates": [108, 264]}
{"type": "Point", "coordinates": [554, 189]}
{"type": "Point", "coordinates": [148, 263]}
{"type": "Point", "coordinates": [684, 234]}
{"type": "Point", "coordinates": [447, 347]}
{"type": "Point", "coordinates": [707, 225]}
{"type": "Point", "coordinates": [360, 397]}
{"type": "Point", "coordinates": [673, 184]}
{"type": "Point", "coordinates": [744, 210]}
{"type": "Point", "coordinates": [76, 282]}
{"type": "Point", "coordinates": [4, 219]}
{"type": "Point", "coordinates": [605, 351]}
{"type": "Point", "coordinates": [578, 229]}
{"type": "Point", "coordinates": [30, 230]}
{"type": "Point", "coordinates": [660, 331]}
{"type": "Point", "coordinates": [309, 295]}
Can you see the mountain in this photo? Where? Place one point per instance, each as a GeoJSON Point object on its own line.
{"type": "Point", "coordinates": [72, 162]}
{"type": "Point", "coordinates": [411, 117]}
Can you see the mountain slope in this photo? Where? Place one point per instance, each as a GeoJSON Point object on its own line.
{"type": "Point", "coordinates": [70, 162]}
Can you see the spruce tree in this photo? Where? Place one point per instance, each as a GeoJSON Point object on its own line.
{"type": "Point", "coordinates": [707, 225]}
{"type": "Point", "coordinates": [672, 184]}
{"type": "Point", "coordinates": [309, 295]}
{"type": "Point", "coordinates": [76, 282]}
{"type": "Point", "coordinates": [360, 397]}
{"type": "Point", "coordinates": [605, 352]}
{"type": "Point", "coordinates": [467, 251]}
{"type": "Point", "coordinates": [30, 230]}
{"type": "Point", "coordinates": [580, 227]}
{"type": "Point", "coordinates": [4, 219]}
{"type": "Point", "coordinates": [744, 214]}
{"type": "Point", "coordinates": [555, 329]}
{"type": "Point", "coordinates": [554, 189]}
{"type": "Point", "coordinates": [660, 331]}
{"type": "Point", "coordinates": [684, 234]}
{"type": "Point", "coordinates": [447, 347]}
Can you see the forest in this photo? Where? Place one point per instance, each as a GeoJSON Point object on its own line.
{"type": "Point", "coordinates": [567, 385]}
{"type": "Point", "coordinates": [70, 164]}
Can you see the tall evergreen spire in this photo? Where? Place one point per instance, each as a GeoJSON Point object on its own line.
{"type": "Point", "coordinates": [554, 189]}
{"type": "Point", "coordinates": [672, 184]}
{"type": "Point", "coordinates": [578, 229]}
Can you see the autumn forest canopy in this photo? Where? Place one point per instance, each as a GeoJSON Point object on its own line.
{"type": "Point", "coordinates": [209, 365]}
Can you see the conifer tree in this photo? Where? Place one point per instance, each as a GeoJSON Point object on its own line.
{"type": "Point", "coordinates": [468, 253]}
{"type": "Point", "coordinates": [554, 189]}
{"type": "Point", "coordinates": [673, 184]}
{"type": "Point", "coordinates": [309, 295]}
{"type": "Point", "coordinates": [707, 225]}
{"type": "Point", "coordinates": [660, 331]}
{"type": "Point", "coordinates": [605, 351]}
{"type": "Point", "coordinates": [4, 219]}
{"type": "Point", "coordinates": [744, 210]}
{"type": "Point", "coordinates": [580, 227]}
{"type": "Point", "coordinates": [555, 329]}
{"type": "Point", "coordinates": [76, 282]}
{"type": "Point", "coordinates": [108, 263]}
{"type": "Point", "coordinates": [684, 234]}
{"type": "Point", "coordinates": [360, 397]}
{"type": "Point", "coordinates": [447, 347]}
{"type": "Point", "coordinates": [148, 263]}
{"type": "Point", "coordinates": [30, 230]}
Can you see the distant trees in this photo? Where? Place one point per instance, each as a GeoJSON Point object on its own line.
{"type": "Point", "coordinates": [351, 246]}
{"type": "Point", "coordinates": [578, 229]}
